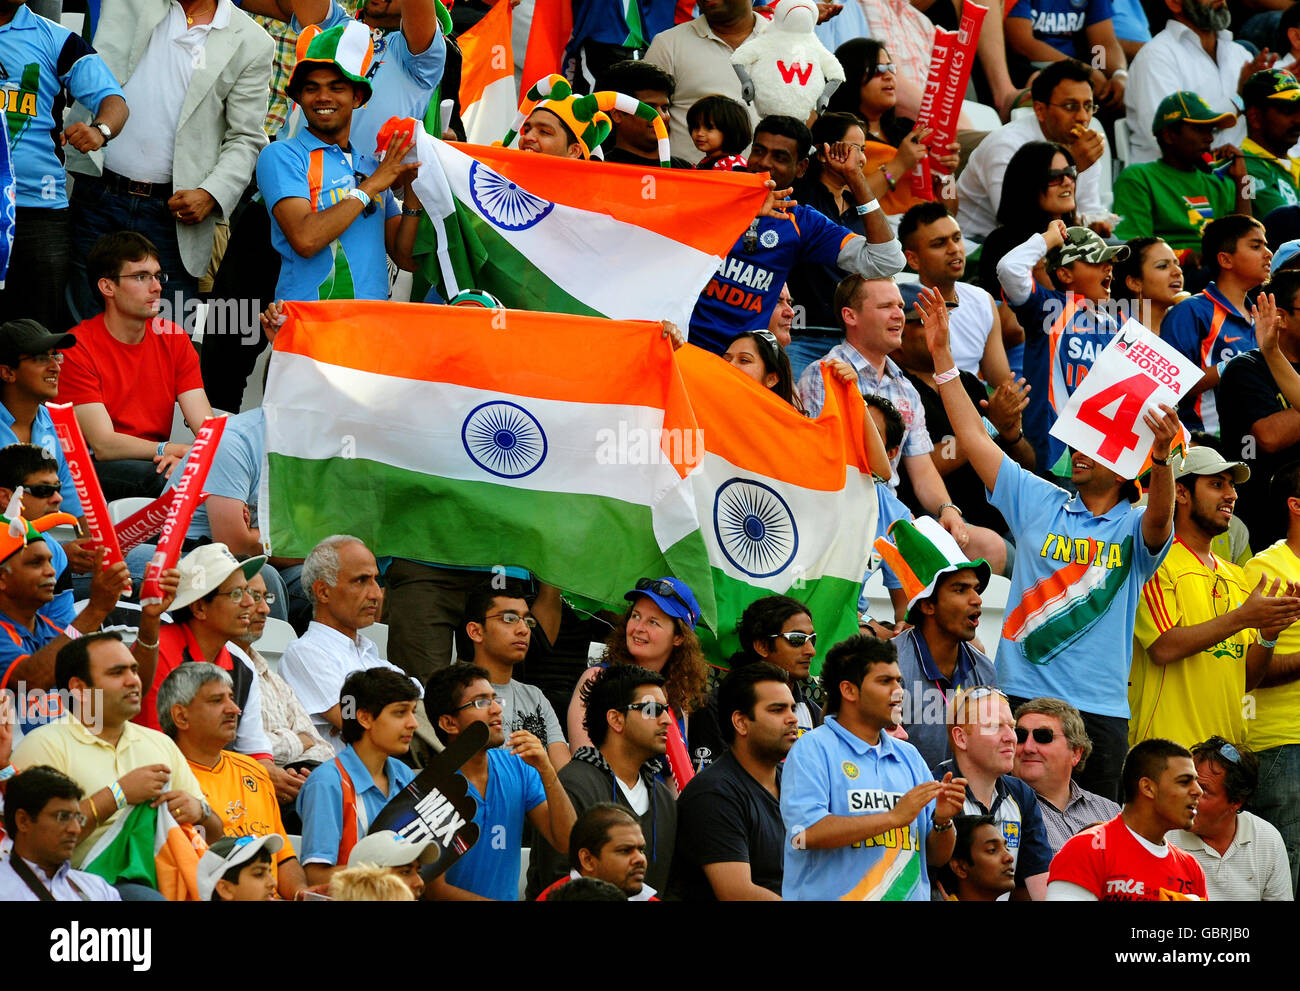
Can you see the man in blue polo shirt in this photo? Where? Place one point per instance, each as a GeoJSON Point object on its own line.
{"type": "Point", "coordinates": [863, 815]}
{"type": "Point", "coordinates": [1081, 562]}
{"type": "Point", "coordinates": [330, 222]}
{"type": "Point", "coordinates": [510, 783]}
{"type": "Point", "coordinates": [747, 286]}
{"type": "Point", "coordinates": [45, 64]}
{"type": "Point", "coordinates": [1215, 325]}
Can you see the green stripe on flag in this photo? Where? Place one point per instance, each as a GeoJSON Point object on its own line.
{"type": "Point", "coordinates": [901, 888]}
{"type": "Point", "coordinates": [403, 513]}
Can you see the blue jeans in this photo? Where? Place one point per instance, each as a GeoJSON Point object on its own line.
{"type": "Point", "coordinates": [804, 350]}
{"type": "Point", "coordinates": [1277, 798]}
{"type": "Point", "coordinates": [97, 211]}
{"type": "Point", "coordinates": [38, 268]}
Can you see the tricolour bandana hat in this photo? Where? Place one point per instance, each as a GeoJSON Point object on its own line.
{"type": "Point", "coordinates": [920, 551]}
{"type": "Point", "coordinates": [349, 48]}
{"type": "Point", "coordinates": [587, 116]}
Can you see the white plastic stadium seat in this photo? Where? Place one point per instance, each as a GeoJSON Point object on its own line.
{"type": "Point", "coordinates": [1123, 148]}
{"type": "Point", "coordinates": [378, 634]}
{"type": "Point", "coordinates": [120, 509]}
{"type": "Point", "coordinates": [275, 638]}
{"type": "Point", "coordinates": [982, 117]}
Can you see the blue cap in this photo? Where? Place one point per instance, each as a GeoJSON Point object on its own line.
{"type": "Point", "coordinates": [672, 595]}
{"type": "Point", "coordinates": [1284, 255]}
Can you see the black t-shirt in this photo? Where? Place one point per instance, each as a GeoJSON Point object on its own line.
{"type": "Point", "coordinates": [812, 285]}
{"type": "Point", "coordinates": [1250, 394]}
{"type": "Point", "coordinates": [724, 816]}
{"type": "Point", "coordinates": [964, 484]}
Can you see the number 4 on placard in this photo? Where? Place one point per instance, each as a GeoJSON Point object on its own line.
{"type": "Point", "coordinates": [1116, 431]}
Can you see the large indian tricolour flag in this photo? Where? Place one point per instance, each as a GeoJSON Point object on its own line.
{"type": "Point", "coordinates": [786, 505]}
{"type": "Point", "coordinates": [483, 438]}
{"type": "Point", "coordinates": [570, 236]}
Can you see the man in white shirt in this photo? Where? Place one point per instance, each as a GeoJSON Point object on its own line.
{"type": "Point", "coordinates": [341, 579]}
{"type": "Point", "coordinates": [42, 815]}
{"type": "Point", "coordinates": [1243, 856]}
{"type": "Point", "coordinates": [1194, 52]}
{"type": "Point", "coordinates": [1063, 112]}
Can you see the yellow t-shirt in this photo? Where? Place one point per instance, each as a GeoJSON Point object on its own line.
{"type": "Point", "coordinates": [243, 797]}
{"type": "Point", "coordinates": [1277, 710]}
{"type": "Point", "coordinates": [1190, 700]}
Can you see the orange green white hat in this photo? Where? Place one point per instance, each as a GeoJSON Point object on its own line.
{"type": "Point", "coordinates": [17, 532]}
{"type": "Point", "coordinates": [349, 48]}
{"type": "Point", "coordinates": [921, 551]}
{"type": "Point", "coordinates": [587, 116]}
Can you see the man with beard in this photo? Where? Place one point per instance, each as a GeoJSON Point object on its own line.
{"type": "Point", "coordinates": [729, 832]}
{"type": "Point", "coordinates": [607, 844]}
{"type": "Point", "coordinates": [1203, 636]}
{"type": "Point", "coordinates": [1195, 52]}
{"type": "Point", "coordinates": [1272, 100]}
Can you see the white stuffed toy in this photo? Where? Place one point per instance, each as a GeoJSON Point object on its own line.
{"type": "Point", "coordinates": [786, 69]}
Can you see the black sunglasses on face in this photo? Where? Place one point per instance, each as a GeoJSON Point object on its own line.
{"type": "Point", "coordinates": [1042, 735]}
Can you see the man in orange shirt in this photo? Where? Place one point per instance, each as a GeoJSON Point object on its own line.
{"type": "Point", "coordinates": [196, 708]}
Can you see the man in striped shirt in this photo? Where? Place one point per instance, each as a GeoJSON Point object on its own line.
{"type": "Point", "coordinates": [1051, 741]}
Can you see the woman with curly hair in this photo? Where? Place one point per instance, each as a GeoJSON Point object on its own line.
{"type": "Point", "coordinates": [657, 633]}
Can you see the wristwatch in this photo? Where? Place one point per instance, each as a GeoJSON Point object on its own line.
{"type": "Point", "coordinates": [103, 129]}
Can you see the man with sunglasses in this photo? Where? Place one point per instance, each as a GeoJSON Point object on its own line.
{"type": "Point", "coordinates": [1243, 856]}
{"type": "Point", "coordinates": [1204, 636]}
{"type": "Point", "coordinates": [627, 719]}
{"type": "Point", "coordinates": [511, 780]}
{"type": "Point", "coordinates": [983, 738]}
{"type": "Point", "coordinates": [43, 817]}
{"type": "Point", "coordinates": [500, 625]}
{"type": "Point", "coordinates": [1051, 743]}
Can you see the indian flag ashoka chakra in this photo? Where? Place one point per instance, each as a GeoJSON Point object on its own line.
{"type": "Point", "coordinates": [754, 527]}
{"type": "Point", "coordinates": [504, 439]}
{"type": "Point", "coordinates": [503, 202]}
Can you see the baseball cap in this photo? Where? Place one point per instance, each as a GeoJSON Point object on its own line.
{"type": "Point", "coordinates": [229, 852]}
{"type": "Point", "coordinates": [206, 567]}
{"type": "Point", "coordinates": [386, 849]}
{"type": "Point", "coordinates": [1208, 461]}
{"type": "Point", "coordinates": [27, 337]}
{"type": "Point", "coordinates": [1286, 253]}
{"type": "Point", "coordinates": [1084, 245]}
{"type": "Point", "coordinates": [1186, 107]}
{"type": "Point", "coordinates": [672, 595]}
{"type": "Point", "coordinates": [911, 293]}
{"type": "Point", "coordinates": [1271, 85]}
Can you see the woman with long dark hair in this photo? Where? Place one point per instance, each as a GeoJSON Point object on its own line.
{"type": "Point", "coordinates": [1151, 279]}
{"type": "Point", "coordinates": [1039, 187]}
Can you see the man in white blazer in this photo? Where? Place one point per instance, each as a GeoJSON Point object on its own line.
{"type": "Point", "coordinates": [198, 75]}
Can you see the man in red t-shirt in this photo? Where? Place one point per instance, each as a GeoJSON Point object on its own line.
{"type": "Point", "coordinates": [1127, 859]}
{"type": "Point", "coordinates": [128, 369]}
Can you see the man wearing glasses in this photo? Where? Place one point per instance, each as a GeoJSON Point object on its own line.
{"type": "Point", "coordinates": [42, 816]}
{"type": "Point", "coordinates": [500, 625]}
{"type": "Point", "coordinates": [1063, 112]}
{"type": "Point", "coordinates": [627, 719]}
{"type": "Point", "coordinates": [1204, 636]}
{"type": "Point", "coordinates": [212, 609]}
{"type": "Point", "coordinates": [1051, 743]}
{"type": "Point", "coordinates": [983, 740]}
{"type": "Point", "coordinates": [129, 370]}
{"type": "Point", "coordinates": [511, 780]}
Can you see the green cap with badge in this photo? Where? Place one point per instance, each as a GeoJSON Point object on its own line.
{"type": "Point", "coordinates": [1185, 107]}
{"type": "Point", "coordinates": [1084, 245]}
{"type": "Point", "coordinates": [1270, 88]}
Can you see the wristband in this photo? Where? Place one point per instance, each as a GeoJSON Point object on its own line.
{"type": "Point", "coordinates": [942, 827]}
{"type": "Point", "coordinates": [410, 213]}
{"type": "Point", "coordinates": [1162, 462]}
{"type": "Point", "coordinates": [360, 195]}
{"type": "Point", "coordinates": [942, 378]}
{"type": "Point", "coordinates": [865, 208]}
{"type": "Point", "coordinates": [162, 448]}
{"type": "Point", "coordinates": [1119, 74]}
{"type": "Point", "coordinates": [1003, 442]}
{"type": "Point", "coordinates": [119, 796]}
{"type": "Point", "coordinates": [146, 646]}
{"type": "Point", "coordinates": [7, 772]}
{"type": "Point", "coordinates": [1270, 644]}
{"type": "Point", "coordinates": [893, 183]}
